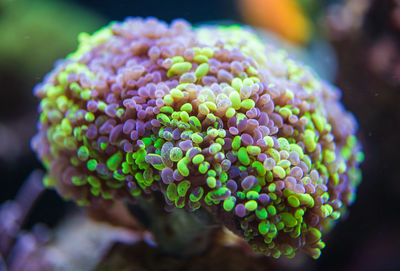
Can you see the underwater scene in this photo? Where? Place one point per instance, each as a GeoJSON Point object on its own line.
{"type": "Point", "coordinates": [199, 135]}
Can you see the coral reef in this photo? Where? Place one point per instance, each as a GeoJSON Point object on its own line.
{"type": "Point", "coordinates": [209, 117]}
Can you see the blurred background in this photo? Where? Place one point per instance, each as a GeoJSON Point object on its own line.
{"type": "Point", "coordinates": [355, 44]}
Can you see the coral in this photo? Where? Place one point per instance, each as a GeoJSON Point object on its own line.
{"type": "Point", "coordinates": [209, 117]}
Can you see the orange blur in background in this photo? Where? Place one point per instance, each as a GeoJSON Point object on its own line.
{"type": "Point", "coordinates": [283, 17]}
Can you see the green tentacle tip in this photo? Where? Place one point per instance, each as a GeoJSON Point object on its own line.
{"type": "Point", "coordinates": [315, 234]}
{"type": "Point", "coordinates": [196, 138]}
{"type": "Point", "coordinates": [293, 201]}
{"type": "Point", "coordinates": [114, 161]}
{"type": "Point", "coordinates": [253, 150]}
{"type": "Point", "coordinates": [79, 180]}
{"type": "Point", "coordinates": [279, 171]}
{"type": "Point", "coordinates": [298, 149]}
{"type": "Point", "coordinates": [263, 227]}
{"type": "Point", "coordinates": [172, 192]}
{"type": "Point", "coordinates": [182, 167]}
{"type": "Point", "coordinates": [91, 164]}
{"type": "Point", "coordinates": [288, 219]}
{"type": "Point", "coordinates": [176, 93]}
{"type": "Point", "coordinates": [234, 97]}
{"type": "Point", "coordinates": [214, 148]}
{"type": "Point", "coordinates": [183, 187]}
{"type": "Point", "coordinates": [49, 181]}
{"type": "Point", "coordinates": [285, 112]}
{"type": "Point", "coordinates": [305, 199]}
{"type": "Point", "coordinates": [164, 119]}
{"type": "Point", "coordinates": [236, 142]}
{"type": "Point", "coordinates": [319, 122]}
{"type": "Point", "coordinates": [211, 182]}
{"type": "Point", "coordinates": [329, 156]}
{"type": "Point", "coordinates": [195, 123]}
{"type": "Point", "coordinates": [196, 194]}
{"type": "Point", "coordinates": [237, 84]}
{"type": "Point", "coordinates": [203, 167]}
{"type": "Point", "coordinates": [197, 159]}
{"type": "Point", "coordinates": [271, 210]}
{"type": "Point", "coordinates": [262, 214]}
{"type": "Point", "coordinates": [94, 182]}
{"type": "Point", "coordinates": [179, 68]}
{"type": "Point", "coordinates": [220, 193]}
{"type": "Point", "coordinates": [202, 70]}
{"type": "Point", "coordinates": [309, 140]}
{"type": "Point", "coordinates": [200, 59]}
{"type": "Point", "coordinates": [154, 160]}
{"type": "Point", "coordinates": [243, 156]}
{"type": "Point", "coordinates": [283, 144]}
{"type": "Point", "coordinates": [248, 104]}
{"type": "Point", "coordinates": [187, 107]}
{"type": "Point", "coordinates": [251, 205]}
{"type": "Point", "coordinates": [229, 203]}
{"type": "Point", "coordinates": [176, 154]}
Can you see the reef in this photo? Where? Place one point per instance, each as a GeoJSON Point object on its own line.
{"type": "Point", "coordinates": [211, 118]}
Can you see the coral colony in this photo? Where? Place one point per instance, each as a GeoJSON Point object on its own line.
{"type": "Point", "coordinates": [212, 118]}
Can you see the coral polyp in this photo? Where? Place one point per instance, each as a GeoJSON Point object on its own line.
{"type": "Point", "coordinates": [210, 117]}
